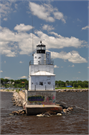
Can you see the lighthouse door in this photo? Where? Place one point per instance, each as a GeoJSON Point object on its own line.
{"type": "Point", "coordinates": [41, 83]}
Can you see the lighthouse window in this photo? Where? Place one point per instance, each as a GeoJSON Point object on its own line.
{"type": "Point", "coordinates": [39, 57]}
{"type": "Point", "coordinates": [40, 83]}
{"type": "Point", "coordinates": [35, 57]}
{"type": "Point", "coordinates": [49, 83]}
{"type": "Point", "coordinates": [43, 48]}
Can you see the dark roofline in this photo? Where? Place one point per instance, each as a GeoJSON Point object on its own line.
{"type": "Point", "coordinates": [41, 45]}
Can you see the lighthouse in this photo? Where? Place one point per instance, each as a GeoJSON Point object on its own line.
{"type": "Point", "coordinates": [41, 78]}
{"type": "Point", "coordinates": [41, 70]}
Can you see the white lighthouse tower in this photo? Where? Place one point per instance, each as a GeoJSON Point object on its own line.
{"type": "Point", "coordinates": [41, 70]}
{"type": "Point", "coordinates": [41, 78]}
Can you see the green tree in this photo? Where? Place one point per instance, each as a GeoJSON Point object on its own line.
{"type": "Point", "coordinates": [75, 85]}
{"type": "Point", "coordinates": [67, 82]}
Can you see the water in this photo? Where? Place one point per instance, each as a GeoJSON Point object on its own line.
{"type": "Point", "coordinates": [74, 123]}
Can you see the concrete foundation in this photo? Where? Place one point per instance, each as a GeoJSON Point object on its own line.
{"type": "Point", "coordinates": [40, 101]}
{"type": "Point", "coordinates": [41, 97]}
{"type": "Point", "coordinates": [38, 109]}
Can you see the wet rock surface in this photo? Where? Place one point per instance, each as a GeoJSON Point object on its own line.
{"type": "Point", "coordinates": [17, 101]}
{"type": "Point", "coordinates": [65, 110]}
{"type": "Point", "coordinates": [19, 112]}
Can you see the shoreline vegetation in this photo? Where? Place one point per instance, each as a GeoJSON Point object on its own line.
{"type": "Point", "coordinates": [23, 83]}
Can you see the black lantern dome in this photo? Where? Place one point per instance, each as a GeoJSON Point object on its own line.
{"type": "Point", "coordinates": [40, 48]}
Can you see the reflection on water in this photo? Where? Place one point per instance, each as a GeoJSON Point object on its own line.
{"type": "Point", "coordinates": [74, 123]}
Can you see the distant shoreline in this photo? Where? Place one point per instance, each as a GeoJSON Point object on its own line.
{"type": "Point", "coordinates": [7, 90]}
{"type": "Point", "coordinates": [57, 90]}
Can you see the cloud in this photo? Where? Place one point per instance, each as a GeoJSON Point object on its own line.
{"type": "Point", "coordinates": [86, 27]}
{"type": "Point", "coordinates": [72, 56]}
{"type": "Point", "coordinates": [7, 78]}
{"type": "Point", "coordinates": [47, 27]}
{"type": "Point", "coordinates": [1, 71]}
{"type": "Point", "coordinates": [14, 43]}
{"type": "Point", "coordinates": [58, 41]}
{"type": "Point", "coordinates": [55, 66]}
{"type": "Point", "coordinates": [23, 27]}
{"type": "Point", "coordinates": [41, 11]}
{"type": "Point", "coordinates": [20, 62]}
{"type": "Point", "coordinates": [87, 67]}
{"type": "Point", "coordinates": [6, 8]}
{"type": "Point", "coordinates": [46, 12]}
{"type": "Point", "coordinates": [22, 77]}
{"type": "Point", "coordinates": [59, 16]}
{"type": "Point", "coordinates": [5, 19]}
{"type": "Point", "coordinates": [4, 61]}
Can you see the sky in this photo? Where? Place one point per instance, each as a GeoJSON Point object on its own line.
{"type": "Point", "coordinates": [61, 25]}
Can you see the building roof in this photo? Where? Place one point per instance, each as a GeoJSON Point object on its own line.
{"type": "Point", "coordinates": [42, 73]}
{"type": "Point", "coordinates": [41, 45]}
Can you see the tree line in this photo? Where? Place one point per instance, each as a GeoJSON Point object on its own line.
{"type": "Point", "coordinates": [23, 83]}
{"type": "Point", "coordinates": [75, 84]}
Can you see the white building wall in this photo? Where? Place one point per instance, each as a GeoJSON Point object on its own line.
{"type": "Point", "coordinates": [29, 82]}
{"type": "Point", "coordinates": [48, 58]}
{"type": "Point", "coordinates": [32, 83]}
{"type": "Point", "coordinates": [39, 58]}
{"type": "Point", "coordinates": [42, 83]}
{"type": "Point", "coordinates": [31, 69]}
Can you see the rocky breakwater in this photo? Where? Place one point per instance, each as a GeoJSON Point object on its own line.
{"type": "Point", "coordinates": [71, 90]}
{"type": "Point", "coordinates": [19, 100]}
{"type": "Point", "coordinates": [62, 111]}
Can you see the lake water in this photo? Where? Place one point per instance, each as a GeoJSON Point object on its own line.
{"type": "Point", "coordinates": [74, 123]}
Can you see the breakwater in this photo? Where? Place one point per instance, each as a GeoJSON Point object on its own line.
{"type": "Point", "coordinates": [71, 90]}
{"type": "Point", "coordinates": [19, 100]}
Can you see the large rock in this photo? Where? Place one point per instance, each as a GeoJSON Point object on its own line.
{"type": "Point", "coordinates": [19, 112]}
{"type": "Point", "coordinates": [59, 114]}
{"type": "Point", "coordinates": [65, 110]}
{"type": "Point", "coordinates": [70, 108]}
{"type": "Point", "coordinates": [40, 115]}
{"type": "Point", "coordinates": [63, 107]}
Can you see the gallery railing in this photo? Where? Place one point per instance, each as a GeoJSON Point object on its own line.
{"type": "Point", "coordinates": [44, 62]}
